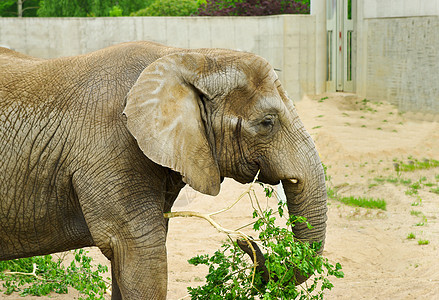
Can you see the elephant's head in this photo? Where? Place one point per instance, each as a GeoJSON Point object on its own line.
{"type": "Point", "coordinates": [218, 113]}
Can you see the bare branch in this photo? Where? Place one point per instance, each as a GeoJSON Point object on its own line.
{"type": "Point", "coordinates": [26, 274]}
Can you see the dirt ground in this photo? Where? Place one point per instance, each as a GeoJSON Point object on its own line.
{"type": "Point", "coordinates": [359, 141]}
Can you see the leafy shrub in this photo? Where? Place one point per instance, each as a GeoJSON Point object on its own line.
{"type": "Point", "coordinates": [169, 8]}
{"type": "Point", "coordinates": [116, 11]}
{"type": "Point", "coordinates": [40, 275]}
{"type": "Point", "coordinates": [253, 7]}
{"type": "Point", "coordinates": [233, 276]}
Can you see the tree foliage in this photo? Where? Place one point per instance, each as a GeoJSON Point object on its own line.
{"type": "Point", "coordinates": [169, 8]}
{"type": "Point", "coordinates": [8, 8]}
{"type": "Point", "coordinates": [89, 8]}
{"type": "Point", "coordinates": [253, 7]}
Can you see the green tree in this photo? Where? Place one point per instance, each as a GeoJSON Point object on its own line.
{"type": "Point", "coordinates": [89, 8]}
{"type": "Point", "coordinates": [10, 8]}
{"type": "Point", "coordinates": [169, 8]}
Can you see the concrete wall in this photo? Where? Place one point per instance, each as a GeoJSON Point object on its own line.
{"type": "Point", "coordinates": [400, 8]}
{"type": "Point", "coordinates": [398, 53]}
{"type": "Point", "coordinates": [288, 42]}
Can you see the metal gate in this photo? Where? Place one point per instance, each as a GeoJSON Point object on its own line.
{"type": "Point", "coordinates": [340, 27]}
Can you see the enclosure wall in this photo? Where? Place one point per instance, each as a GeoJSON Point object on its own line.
{"type": "Point", "coordinates": [397, 53]}
{"type": "Point", "coordinates": [288, 42]}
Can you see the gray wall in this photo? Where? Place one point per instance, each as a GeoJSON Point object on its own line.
{"type": "Point", "coordinates": [398, 52]}
{"type": "Point", "coordinates": [288, 42]}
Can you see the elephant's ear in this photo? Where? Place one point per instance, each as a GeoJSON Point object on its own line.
{"type": "Point", "coordinates": [164, 115]}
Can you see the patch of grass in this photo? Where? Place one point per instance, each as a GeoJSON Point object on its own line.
{"type": "Point", "coordinates": [418, 202]}
{"type": "Point", "coordinates": [323, 99]}
{"type": "Point", "coordinates": [411, 192]}
{"type": "Point", "coordinates": [405, 181]}
{"type": "Point", "coordinates": [379, 128]}
{"type": "Point", "coordinates": [392, 180]}
{"type": "Point", "coordinates": [320, 116]}
{"type": "Point", "coordinates": [423, 222]}
{"type": "Point", "coordinates": [435, 190]}
{"type": "Point", "coordinates": [415, 164]}
{"type": "Point", "coordinates": [380, 179]}
{"type": "Point", "coordinates": [363, 202]}
{"type": "Point", "coordinates": [317, 127]}
{"type": "Point", "coordinates": [415, 213]}
{"type": "Point", "coordinates": [416, 185]}
{"type": "Point", "coordinates": [411, 236]}
{"type": "Point", "coordinates": [423, 242]}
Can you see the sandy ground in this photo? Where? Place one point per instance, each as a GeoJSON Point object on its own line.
{"type": "Point", "coordinates": [359, 142]}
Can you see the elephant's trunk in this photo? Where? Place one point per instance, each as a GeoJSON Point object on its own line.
{"type": "Point", "coordinates": [307, 198]}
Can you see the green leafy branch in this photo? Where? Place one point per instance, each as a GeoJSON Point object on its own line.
{"type": "Point", "coordinates": [41, 275]}
{"type": "Point", "coordinates": [239, 269]}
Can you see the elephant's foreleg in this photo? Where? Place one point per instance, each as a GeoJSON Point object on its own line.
{"type": "Point", "coordinates": [115, 291]}
{"type": "Point", "coordinates": [140, 273]}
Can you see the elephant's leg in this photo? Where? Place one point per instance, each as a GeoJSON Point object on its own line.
{"type": "Point", "coordinates": [140, 273]}
{"type": "Point", "coordinates": [130, 230]}
{"type": "Point", "coordinates": [115, 291]}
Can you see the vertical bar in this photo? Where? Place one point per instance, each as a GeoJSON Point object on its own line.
{"type": "Point", "coordinates": [329, 55]}
{"type": "Point", "coordinates": [349, 8]}
{"type": "Point", "coordinates": [349, 56]}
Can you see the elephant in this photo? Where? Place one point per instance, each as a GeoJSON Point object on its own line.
{"type": "Point", "coordinates": [96, 147]}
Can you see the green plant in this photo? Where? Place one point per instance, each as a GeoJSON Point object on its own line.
{"type": "Point", "coordinates": [233, 276]}
{"type": "Point", "coordinates": [411, 236]}
{"type": "Point", "coordinates": [363, 202]}
{"type": "Point", "coordinates": [317, 127]}
{"type": "Point", "coordinates": [423, 242]}
{"type": "Point", "coordinates": [414, 164]}
{"type": "Point", "coordinates": [423, 222]}
{"type": "Point", "coordinates": [418, 202]}
{"type": "Point", "coordinates": [415, 213]}
{"type": "Point", "coordinates": [40, 275]}
{"type": "Point", "coordinates": [169, 8]}
{"type": "Point", "coordinates": [116, 11]}
{"type": "Point", "coordinates": [253, 7]}
{"type": "Point", "coordinates": [323, 99]}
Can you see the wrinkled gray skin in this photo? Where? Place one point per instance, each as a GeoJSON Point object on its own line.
{"type": "Point", "coordinates": [74, 172]}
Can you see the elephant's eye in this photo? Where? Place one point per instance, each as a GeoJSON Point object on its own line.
{"type": "Point", "coordinates": [268, 121]}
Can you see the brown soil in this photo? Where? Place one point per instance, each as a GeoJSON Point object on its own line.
{"type": "Point", "coordinates": [359, 142]}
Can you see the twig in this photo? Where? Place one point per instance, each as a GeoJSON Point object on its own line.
{"type": "Point", "coordinates": [250, 188]}
{"type": "Point", "coordinates": [23, 273]}
{"type": "Point", "coordinates": [218, 227]}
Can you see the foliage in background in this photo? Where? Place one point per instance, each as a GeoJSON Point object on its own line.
{"type": "Point", "coordinates": [253, 7]}
{"type": "Point", "coordinates": [232, 275]}
{"type": "Point", "coordinates": [89, 8]}
{"type": "Point", "coordinates": [169, 8]}
{"type": "Point", "coordinates": [40, 275]}
{"type": "Point", "coordinates": [8, 8]}
{"type": "Point", "coordinates": [115, 8]}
